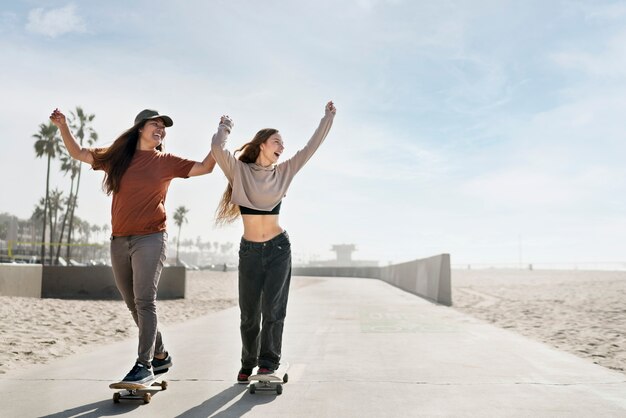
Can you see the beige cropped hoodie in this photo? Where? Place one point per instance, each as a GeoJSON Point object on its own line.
{"type": "Point", "coordinates": [257, 187]}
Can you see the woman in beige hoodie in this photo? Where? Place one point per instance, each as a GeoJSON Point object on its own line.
{"type": "Point", "coordinates": [257, 183]}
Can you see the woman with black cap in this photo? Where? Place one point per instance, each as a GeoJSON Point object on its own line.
{"type": "Point", "coordinates": [138, 174]}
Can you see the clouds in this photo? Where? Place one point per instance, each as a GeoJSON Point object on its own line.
{"type": "Point", "coordinates": [604, 12]}
{"type": "Point", "coordinates": [8, 21]}
{"type": "Point", "coordinates": [460, 124]}
{"type": "Point", "coordinates": [55, 22]}
{"type": "Point", "coordinates": [604, 60]}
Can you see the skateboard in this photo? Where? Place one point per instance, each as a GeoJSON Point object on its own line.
{"type": "Point", "coordinates": [137, 392]}
{"type": "Point", "coordinates": [270, 382]}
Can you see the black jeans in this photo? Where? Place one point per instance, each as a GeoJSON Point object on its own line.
{"type": "Point", "coordinates": [264, 277]}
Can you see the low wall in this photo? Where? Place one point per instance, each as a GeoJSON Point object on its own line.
{"type": "Point", "coordinates": [428, 278]}
{"type": "Point", "coordinates": [20, 280]}
{"type": "Point", "coordinates": [369, 272]}
{"type": "Point", "coordinates": [97, 282]}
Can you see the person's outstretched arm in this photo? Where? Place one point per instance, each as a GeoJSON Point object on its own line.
{"type": "Point", "coordinates": [73, 147]}
{"type": "Point", "coordinates": [223, 157]}
{"type": "Point", "coordinates": [205, 167]}
{"type": "Point", "coordinates": [295, 163]}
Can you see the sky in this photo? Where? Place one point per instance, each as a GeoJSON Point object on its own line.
{"type": "Point", "coordinates": [489, 130]}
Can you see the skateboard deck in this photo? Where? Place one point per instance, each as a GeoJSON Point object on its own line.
{"type": "Point", "coordinates": [137, 392]}
{"type": "Point", "coordinates": [270, 382]}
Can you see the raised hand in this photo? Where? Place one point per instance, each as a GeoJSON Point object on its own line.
{"type": "Point", "coordinates": [227, 122]}
{"type": "Point", "coordinates": [58, 118]}
{"type": "Point", "coordinates": [330, 108]}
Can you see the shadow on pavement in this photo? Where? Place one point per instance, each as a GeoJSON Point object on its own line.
{"type": "Point", "coordinates": [97, 409]}
{"type": "Point", "coordinates": [239, 408]}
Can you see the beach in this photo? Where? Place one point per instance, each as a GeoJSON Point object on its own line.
{"type": "Point", "coordinates": [36, 331]}
{"type": "Point", "coordinates": [580, 312]}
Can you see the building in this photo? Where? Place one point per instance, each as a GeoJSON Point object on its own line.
{"type": "Point", "coordinates": [344, 258]}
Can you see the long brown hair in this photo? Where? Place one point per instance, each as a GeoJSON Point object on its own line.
{"type": "Point", "coordinates": [116, 159]}
{"type": "Point", "coordinates": [226, 211]}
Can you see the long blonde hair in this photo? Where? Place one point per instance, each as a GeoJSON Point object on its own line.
{"type": "Point", "coordinates": [226, 211]}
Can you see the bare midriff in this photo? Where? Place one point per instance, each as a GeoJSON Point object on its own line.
{"type": "Point", "coordinates": [260, 228]}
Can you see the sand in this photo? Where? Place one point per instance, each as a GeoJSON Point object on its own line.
{"type": "Point", "coordinates": [36, 331]}
{"type": "Point", "coordinates": [580, 312]}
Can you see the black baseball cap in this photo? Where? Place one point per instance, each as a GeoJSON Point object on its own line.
{"type": "Point", "coordinates": [147, 114]}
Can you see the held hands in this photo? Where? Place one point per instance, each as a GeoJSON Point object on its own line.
{"type": "Point", "coordinates": [330, 108]}
{"type": "Point", "coordinates": [227, 122]}
{"type": "Point", "coordinates": [57, 118]}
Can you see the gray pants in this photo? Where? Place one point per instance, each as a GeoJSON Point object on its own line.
{"type": "Point", "coordinates": [137, 262]}
{"type": "Point", "coordinates": [264, 277]}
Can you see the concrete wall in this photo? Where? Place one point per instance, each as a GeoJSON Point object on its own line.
{"type": "Point", "coordinates": [20, 280]}
{"type": "Point", "coordinates": [97, 282]}
{"type": "Point", "coordinates": [428, 277]}
{"type": "Point", "coordinates": [369, 272]}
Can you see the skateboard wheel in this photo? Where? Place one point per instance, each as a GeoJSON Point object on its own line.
{"type": "Point", "coordinates": [285, 378]}
{"type": "Point", "coordinates": [146, 398]}
{"type": "Point", "coordinates": [252, 388]}
{"type": "Point", "coordinates": [279, 389]}
{"type": "Point", "coordinates": [163, 385]}
{"type": "Point", "coordinates": [116, 397]}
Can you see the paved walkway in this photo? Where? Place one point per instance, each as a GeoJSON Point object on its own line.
{"type": "Point", "coordinates": [357, 348]}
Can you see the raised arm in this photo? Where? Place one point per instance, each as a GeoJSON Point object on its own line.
{"type": "Point", "coordinates": [205, 167]}
{"type": "Point", "coordinates": [222, 156]}
{"type": "Point", "coordinates": [295, 163]}
{"type": "Point", "coordinates": [73, 147]}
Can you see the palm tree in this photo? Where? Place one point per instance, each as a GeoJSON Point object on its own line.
{"type": "Point", "coordinates": [225, 248]}
{"type": "Point", "coordinates": [180, 217]}
{"type": "Point", "coordinates": [85, 230]}
{"type": "Point", "coordinates": [96, 231]}
{"type": "Point", "coordinates": [79, 122]}
{"type": "Point", "coordinates": [47, 144]}
{"type": "Point", "coordinates": [67, 202]}
{"type": "Point", "coordinates": [68, 165]}
{"type": "Point", "coordinates": [106, 228]}
{"type": "Point", "coordinates": [55, 205]}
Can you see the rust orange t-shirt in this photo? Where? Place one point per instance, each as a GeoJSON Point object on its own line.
{"type": "Point", "coordinates": [138, 208]}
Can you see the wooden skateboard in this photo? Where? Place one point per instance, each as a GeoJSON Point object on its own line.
{"type": "Point", "coordinates": [270, 382]}
{"type": "Point", "coordinates": [137, 392]}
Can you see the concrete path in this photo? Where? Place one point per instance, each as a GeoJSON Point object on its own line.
{"type": "Point", "coordinates": [357, 348]}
